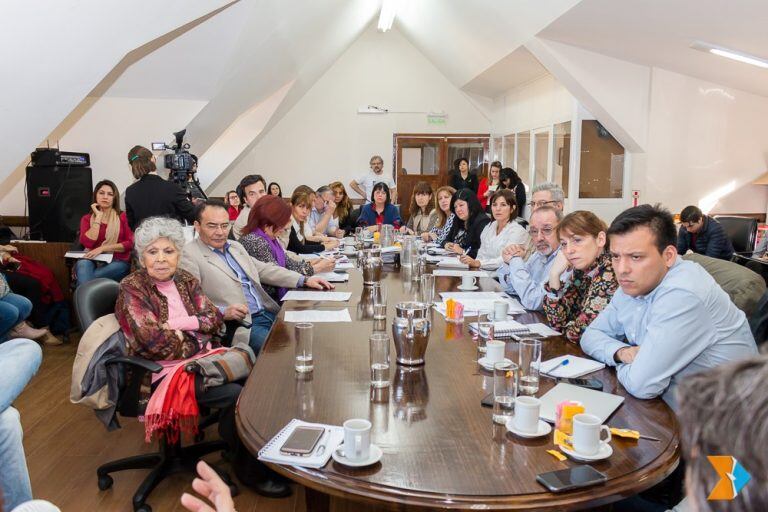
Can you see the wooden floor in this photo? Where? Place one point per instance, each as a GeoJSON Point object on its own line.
{"type": "Point", "coordinates": [65, 443]}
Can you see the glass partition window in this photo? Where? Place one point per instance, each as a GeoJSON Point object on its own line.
{"type": "Point", "coordinates": [420, 159]}
{"type": "Point", "coordinates": [524, 156]}
{"type": "Point", "coordinates": [508, 153]}
{"type": "Point", "coordinates": [561, 154]}
{"type": "Point", "coordinates": [540, 157]}
{"type": "Point", "coordinates": [602, 163]}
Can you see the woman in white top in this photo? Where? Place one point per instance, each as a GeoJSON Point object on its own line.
{"type": "Point", "coordinates": [500, 233]}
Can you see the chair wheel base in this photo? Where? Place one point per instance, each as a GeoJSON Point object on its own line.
{"type": "Point", "coordinates": [105, 482]}
{"type": "Point", "coordinates": [143, 508]}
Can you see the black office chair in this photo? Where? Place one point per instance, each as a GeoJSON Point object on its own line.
{"type": "Point", "coordinates": [95, 299]}
{"type": "Point", "coordinates": [742, 231]}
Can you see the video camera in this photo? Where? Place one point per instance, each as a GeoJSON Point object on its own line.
{"type": "Point", "coordinates": [182, 166]}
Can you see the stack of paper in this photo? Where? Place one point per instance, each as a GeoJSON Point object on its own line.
{"type": "Point", "coordinates": [317, 315]}
{"type": "Point", "coordinates": [330, 440]}
{"type": "Point", "coordinates": [105, 257]}
{"type": "Point", "coordinates": [317, 296]}
{"type": "Point", "coordinates": [576, 367]}
{"type": "Point", "coordinates": [450, 262]}
{"type": "Point", "coordinates": [460, 273]}
{"type": "Point", "coordinates": [333, 277]}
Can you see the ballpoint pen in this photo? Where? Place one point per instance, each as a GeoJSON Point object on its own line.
{"type": "Point", "coordinates": [564, 362]}
{"type": "Point", "coordinates": [323, 443]}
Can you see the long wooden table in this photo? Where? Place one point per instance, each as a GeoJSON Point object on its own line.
{"type": "Point", "coordinates": [441, 448]}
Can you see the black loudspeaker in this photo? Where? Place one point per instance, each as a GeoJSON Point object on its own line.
{"type": "Point", "coordinates": [57, 197]}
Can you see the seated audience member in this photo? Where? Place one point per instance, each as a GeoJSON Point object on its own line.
{"type": "Point", "coordinates": [489, 185]}
{"type": "Point", "coordinates": [721, 412]}
{"type": "Point", "coordinates": [301, 238]}
{"type": "Point", "coordinates": [500, 233]}
{"type": "Point", "coordinates": [275, 190]}
{"type": "Point", "coordinates": [379, 211]}
{"type": "Point", "coordinates": [526, 279]}
{"type": "Point", "coordinates": [670, 319]}
{"type": "Point", "coordinates": [166, 317]}
{"type": "Point", "coordinates": [510, 180]}
{"type": "Point", "coordinates": [423, 214]}
{"type": "Point", "coordinates": [445, 217]}
{"type": "Point", "coordinates": [233, 205]}
{"type": "Point", "coordinates": [105, 230]}
{"type": "Point", "coordinates": [364, 184]}
{"type": "Point", "coordinates": [14, 311]}
{"type": "Point", "coordinates": [342, 214]}
{"type": "Point", "coordinates": [231, 278]}
{"type": "Point", "coordinates": [269, 217]}
{"type": "Point", "coordinates": [703, 235]}
{"type": "Point", "coordinates": [321, 219]}
{"type": "Point", "coordinates": [151, 195]}
{"type": "Point", "coordinates": [470, 221]}
{"type": "Point", "coordinates": [19, 361]}
{"type": "Point", "coordinates": [574, 300]}
{"type": "Point", "coordinates": [462, 176]}
{"type": "Point", "coordinates": [251, 188]}
{"type": "Point", "coordinates": [547, 194]}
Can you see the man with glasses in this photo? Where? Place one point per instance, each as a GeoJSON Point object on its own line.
{"type": "Point", "coordinates": [547, 194]}
{"type": "Point", "coordinates": [364, 184]}
{"type": "Point", "coordinates": [703, 235]}
{"type": "Point", "coordinates": [526, 278]}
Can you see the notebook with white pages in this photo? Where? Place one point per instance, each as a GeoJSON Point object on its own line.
{"type": "Point", "coordinates": [515, 330]}
{"type": "Point", "coordinates": [599, 403]}
{"type": "Point", "coordinates": [576, 367]}
{"type": "Point", "coordinates": [331, 439]}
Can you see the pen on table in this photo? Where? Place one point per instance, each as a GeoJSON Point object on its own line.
{"type": "Point", "coordinates": [321, 448]}
{"type": "Point", "coordinates": [564, 362]}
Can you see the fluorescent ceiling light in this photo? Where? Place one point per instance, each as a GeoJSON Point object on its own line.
{"type": "Point", "coordinates": [387, 15]}
{"type": "Point", "coordinates": [730, 54]}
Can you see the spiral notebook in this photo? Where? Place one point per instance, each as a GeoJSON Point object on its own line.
{"type": "Point", "coordinates": [516, 330]}
{"type": "Point", "coordinates": [331, 439]}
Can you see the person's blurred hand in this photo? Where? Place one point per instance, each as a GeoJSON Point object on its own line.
{"type": "Point", "coordinates": [211, 487]}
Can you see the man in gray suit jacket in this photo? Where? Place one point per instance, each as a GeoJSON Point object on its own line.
{"type": "Point", "coordinates": [231, 278]}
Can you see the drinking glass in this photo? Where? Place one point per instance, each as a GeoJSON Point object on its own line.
{"type": "Point", "coordinates": [379, 345]}
{"type": "Point", "coordinates": [505, 376]}
{"type": "Point", "coordinates": [378, 293]}
{"type": "Point", "coordinates": [303, 333]}
{"type": "Point", "coordinates": [484, 330]}
{"type": "Point", "coordinates": [379, 317]}
{"type": "Point", "coordinates": [529, 361]}
{"type": "Point", "coordinates": [427, 287]}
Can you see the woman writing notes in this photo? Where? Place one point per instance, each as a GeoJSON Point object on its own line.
{"type": "Point", "coordinates": [423, 214]}
{"type": "Point", "coordinates": [574, 299]}
{"type": "Point", "coordinates": [500, 233]}
{"type": "Point", "coordinates": [379, 211]}
{"type": "Point", "coordinates": [464, 237]}
{"type": "Point", "coordinates": [105, 231]}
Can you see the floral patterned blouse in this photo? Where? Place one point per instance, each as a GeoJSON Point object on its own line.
{"type": "Point", "coordinates": [258, 248]}
{"type": "Point", "coordinates": [581, 298]}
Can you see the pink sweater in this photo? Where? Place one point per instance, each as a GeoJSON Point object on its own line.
{"type": "Point", "coordinates": [177, 313]}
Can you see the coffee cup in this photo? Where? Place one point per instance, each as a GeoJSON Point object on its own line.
{"type": "Point", "coordinates": [526, 417]}
{"type": "Point", "coordinates": [468, 281]}
{"type": "Point", "coordinates": [587, 434]}
{"type": "Point", "coordinates": [357, 439]}
{"type": "Point", "coordinates": [494, 351]}
{"type": "Point", "coordinates": [349, 250]}
{"type": "Point", "coordinates": [500, 310]}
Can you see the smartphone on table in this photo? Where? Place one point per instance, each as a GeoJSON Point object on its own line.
{"type": "Point", "coordinates": [571, 478]}
{"type": "Point", "coordinates": [302, 441]}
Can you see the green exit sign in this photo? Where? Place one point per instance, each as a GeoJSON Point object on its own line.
{"type": "Point", "coordinates": [436, 119]}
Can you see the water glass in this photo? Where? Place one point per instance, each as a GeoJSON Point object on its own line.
{"type": "Point", "coordinates": [505, 375]}
{"type": "Point", "coordinates": [378, 293]}
{"type": "Point", "coordinates": [379, 317]}
{"type": "Point", "coordinates": [427, 288]}
{"type": "Point", "coordinates": [529, 361]}
{"type": "Point", "coordinates": [484, 329]}
{"type": "Point", "coordinates": [303, 333]}
{"type": "Point", "coordinates": [379, 345]}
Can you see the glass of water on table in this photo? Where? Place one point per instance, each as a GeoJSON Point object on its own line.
{"type": "Point", "coordinates": [505, 380]}
{"type": "Point", "coordinates": [379, 350]}
{"type": "Point", "coordinates": [529, 362]}
{"type": "Point", "coordinates": [303, 333]}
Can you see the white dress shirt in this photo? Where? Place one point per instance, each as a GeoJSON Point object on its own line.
{"type": "Point", "coordinates": [492, 244]}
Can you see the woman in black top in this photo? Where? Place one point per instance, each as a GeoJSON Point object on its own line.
{"type": "Point", "coordinates": [301, 200]}
{"type": "Point", "coordinates": [510, 180]}
{"type": "Point", "coordinates": [464, 237]}
{"type": "Point", "coordinates": [462, 177]}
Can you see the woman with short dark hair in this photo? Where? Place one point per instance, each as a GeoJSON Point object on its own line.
{"type": "Point", "coordinates": [275, 190]}
{"type": "Point", "coordinates": [463, 177]}
{"type": "Point", "coordinates": [379, 211]}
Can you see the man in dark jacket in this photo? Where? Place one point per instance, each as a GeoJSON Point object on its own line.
{"type": "Point", "coordinates": [703, 235]}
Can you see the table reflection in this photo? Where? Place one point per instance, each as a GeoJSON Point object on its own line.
{"type": "Point", "coordinates": [410, 393]}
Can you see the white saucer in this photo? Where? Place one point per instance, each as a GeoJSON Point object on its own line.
{"type": "Point", "coordinates": [483, 361]}
{"type": "Point", "coordinates": [467, 288]}
{"type": "Point", "coordinates": [373, 457]}
{"type": "Point", "coordinates": [544, 428]}
{"type": "Point", "coordinates": [604, 452]}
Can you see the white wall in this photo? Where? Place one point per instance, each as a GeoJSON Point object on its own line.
{"type": "Point", "coordinates": [110, 128]}
{"type": "Point", "coordinates": [540, 103]}
{"type": "Point", "coordinates": [323, 138]}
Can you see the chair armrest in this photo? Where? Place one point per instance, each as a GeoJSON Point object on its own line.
{"type": "Point", "coordinates": [144, 364]}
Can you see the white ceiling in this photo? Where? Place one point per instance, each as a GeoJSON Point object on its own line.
{"type": "Point", "coordinates": [659, 33]}
{"type": "Point", "coordinates": [517, 68]}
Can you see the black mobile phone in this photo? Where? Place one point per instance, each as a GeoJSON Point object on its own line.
{"type": "Point", "coordinates": [595, 384]}
{"type": "Point", "coordinates": [487, 400]}
{"type": "Point", "coordinates": [572, 478]}
{"type": "Point", "coordinates": [302, 440]}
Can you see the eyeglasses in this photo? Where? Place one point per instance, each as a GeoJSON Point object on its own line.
{"type": "Point", "coordinates": [535, 232]}
{"type": "Point", "coordinates": [538, 204]}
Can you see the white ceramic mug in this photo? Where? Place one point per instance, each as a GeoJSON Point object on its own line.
{"type": "Point", "coordinates": [468, 281]}
{"type": "Point", "coordinates": [494, 351]}
{"type": "Point", "coordinates": [526, 417]}
{"type": "Point", "coordinates": [500, 310]}
{"type": "Point", "coordinates": [587, 434]}
{"type": "Point", "coordinates": [357, 439]}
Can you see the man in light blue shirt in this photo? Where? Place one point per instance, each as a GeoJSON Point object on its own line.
{"type": "Point", "coordinates": [669, 319]}
{"type": "Point", "coordinates": [526, 279]}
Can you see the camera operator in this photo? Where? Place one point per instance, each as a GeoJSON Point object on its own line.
{"type": "Point", "coordinates": [152, 195]}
